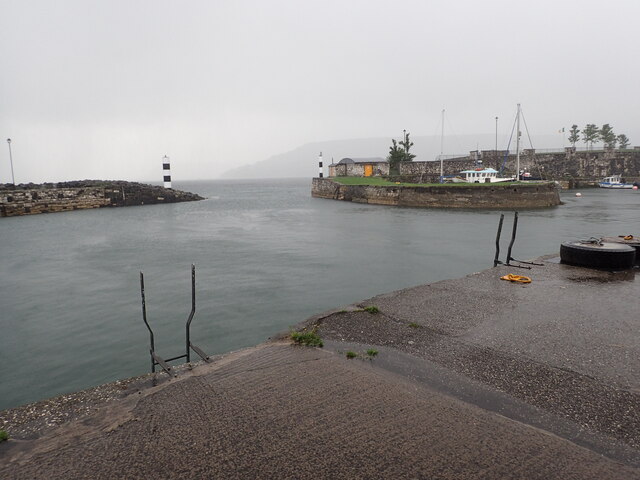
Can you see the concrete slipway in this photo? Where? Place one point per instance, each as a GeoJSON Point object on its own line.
{"type": "Point", "coordinates": [475, 378]}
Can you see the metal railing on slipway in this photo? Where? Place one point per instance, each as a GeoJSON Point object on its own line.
{"type": "Point", "coordinates": [157, 359]}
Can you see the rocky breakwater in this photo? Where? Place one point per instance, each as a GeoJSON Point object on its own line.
{"type": "Point", "coordinates": [29, 199]}
{"type": "Point", "coordinates": [495, 195]}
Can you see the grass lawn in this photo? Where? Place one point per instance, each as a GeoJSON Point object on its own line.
{"type": "Point", "coordinates": [366, 181]}
{"type": "Point", "coordinates": [386, 183]}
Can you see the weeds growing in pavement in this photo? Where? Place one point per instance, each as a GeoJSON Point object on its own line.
{"type": "Point", "coordinates": [308, 339]}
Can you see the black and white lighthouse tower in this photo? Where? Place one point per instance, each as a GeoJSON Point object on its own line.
{"type": "Point", "coordinates": [166, 171]}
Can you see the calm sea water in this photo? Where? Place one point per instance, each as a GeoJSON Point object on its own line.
{"type": "Point", "coordinates": [267, 257]}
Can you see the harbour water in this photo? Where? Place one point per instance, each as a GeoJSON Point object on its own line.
{"type": "Point", "coordinates": [267, 257]}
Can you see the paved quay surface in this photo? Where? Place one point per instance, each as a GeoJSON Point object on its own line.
{"type": "Point", "coordinates": [474, 378]}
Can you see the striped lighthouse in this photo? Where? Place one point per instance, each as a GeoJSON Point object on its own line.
{"type": "Point", "coordinates": [166, 171]}
{"type": "Point", "coordinates": [320, 165]}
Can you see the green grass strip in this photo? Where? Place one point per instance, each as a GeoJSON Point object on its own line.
{"type": "Point", "coordinates": [382, 182]}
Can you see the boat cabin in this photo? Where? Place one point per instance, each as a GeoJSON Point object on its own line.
{"type": "Point", "coordinates": [483, 175]}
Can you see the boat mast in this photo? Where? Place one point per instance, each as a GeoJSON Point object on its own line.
{"type": "Point", "coordinates": [442, 148]}
{"type": "Point", "coordinates": [518, 144]}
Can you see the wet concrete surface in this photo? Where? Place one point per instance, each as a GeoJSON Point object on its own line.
{"type": "Point", "coordinates": [580, 319]}
{"type": "Point", "coordinates": [461, 387]}
{"type": "Point", "coordinates": [566, 343]}
{"type": "Point", "coordinates": [474, 378]}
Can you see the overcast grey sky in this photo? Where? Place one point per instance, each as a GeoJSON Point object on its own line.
{"type": "Point", "coordinates": [104, 89]}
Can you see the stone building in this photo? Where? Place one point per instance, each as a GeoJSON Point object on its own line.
{"type": "Point", "coordinates": [359, 167]}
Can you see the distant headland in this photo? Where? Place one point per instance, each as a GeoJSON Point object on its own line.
{"type": "Point", "coordinates": [30, 198]}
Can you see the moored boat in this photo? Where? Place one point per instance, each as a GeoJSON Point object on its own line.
{"type": "Point", "coordinates": [614, 181]}
{"type": "Point", "coordinates": [484, 175]}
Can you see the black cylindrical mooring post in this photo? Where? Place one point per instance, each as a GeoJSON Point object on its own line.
{"type": "Point", "coordinates": [320, 166]}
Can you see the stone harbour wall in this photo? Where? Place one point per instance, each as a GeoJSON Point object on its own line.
{"type": "Point", "coordinates": [68, 196]}
{"type": "Point", "coordinates": [431, 170]}
{"type": "Point", "coordinates": [534, 195]}
{"type": "Point", "coordinates": [582, 165]}
{"type": "Point", "coordinates": [29, 202]}
{"type": "Point", "coordinates": [569, 166]}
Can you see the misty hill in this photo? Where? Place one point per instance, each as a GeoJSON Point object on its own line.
{"type": "Point", "coordinates": [303, 161]}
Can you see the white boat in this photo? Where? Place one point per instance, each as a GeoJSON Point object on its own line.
{"type": "Point", "coordinates": [614, 181]}
{"type": "Point", "coordinates": [483, 175]}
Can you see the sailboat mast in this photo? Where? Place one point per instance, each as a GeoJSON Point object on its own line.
{"type": "Point", "coordinates": [518, 144]}
{"type": "Point", "coordinates": [442, 148]}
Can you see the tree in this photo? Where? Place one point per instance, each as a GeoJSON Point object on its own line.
{"type": "Point", "coordinates": [400, 152]}
{"type": "Point", "coordinates": [396, 154]}
{"type": "Point", "coordinates": [574, 135]}
{"type": "Point", "coordinates": [590, 134]}
{"type": "Point", "coordinates": [623, 141]}
{"type": "Point", "coordinates": [607, 136]}
{"type": "Point", "coordinates": [406, 146]}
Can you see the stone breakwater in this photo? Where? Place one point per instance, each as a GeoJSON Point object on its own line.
{"type": "Point", "coordinates": [534, 195]}
{"type": "Point", "coordinates": [29, 199]}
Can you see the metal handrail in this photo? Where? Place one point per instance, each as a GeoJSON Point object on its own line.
{"type": "Point", "coordinates": [144, 318]}
{"type": "Point", "coordinates": [157, 359]}
{"type": "Point", "coordinates": [508, 263]}
{"type": "Point", "coordinates": [193, 311]}
{"type": "Point", "coordinates": [497, 262]}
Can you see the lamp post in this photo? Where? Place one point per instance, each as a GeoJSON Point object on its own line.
{"type": "Point", "coordinates": [496, 134]}
{"type": "Point", "coordinates": [13, 180]}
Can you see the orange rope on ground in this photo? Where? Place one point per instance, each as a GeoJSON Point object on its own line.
{"type": "Point", "coordinates": [516, 278]}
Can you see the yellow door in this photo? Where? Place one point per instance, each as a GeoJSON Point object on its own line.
{"type": "Point", "coordinates": [368, 170]}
